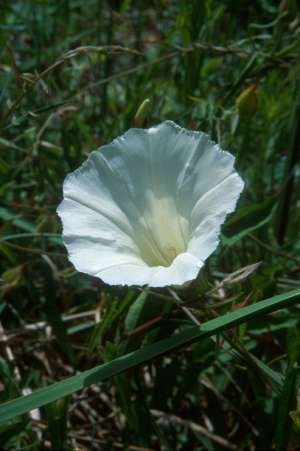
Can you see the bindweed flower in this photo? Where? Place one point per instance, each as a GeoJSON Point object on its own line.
{"type": "Point", "coordinates": [147, 209]}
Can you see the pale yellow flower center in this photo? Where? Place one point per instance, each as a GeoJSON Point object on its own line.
{"type": "Point", "coordinates": [166, 232]}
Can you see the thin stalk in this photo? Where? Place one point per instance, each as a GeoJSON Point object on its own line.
{"type": "Point", "coordinates": [292, 158]}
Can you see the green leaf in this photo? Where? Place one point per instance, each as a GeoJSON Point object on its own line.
{"type": "Point", "coordinates": [285, 406]}
{"type": "Point", "coordinates": [295, 416]}
{"type": "Point", "coordinates": [143, 310]}
{"type": "Point", "coordinates": [287, 399]}
{"type": "Point", "coordinates": [9, 432]}
{"type": "Point", "coordinates": [113, 311]}
{"type": "Point", "coordinates": [54, 317]}
{"type": "Point", "coordinates": [16, 220]}
{"type": "Point", "coordinates": [57, 415]}
{"type": "Point", "coordinates": [135, 311]}
{"type": "Point", "coordinates": [247, 220]}
{"type": "Point", "coordinates": [65, 387]}
{"type": "Point", "coordinates": [54, 237]}
{"type": "Point", "coordinates": [275, 378]}
{"type": "Point", "coordinates": [138, 419]}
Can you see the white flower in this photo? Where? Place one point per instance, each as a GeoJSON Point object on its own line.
{"type": "Point", "coordinates": [147, 208]}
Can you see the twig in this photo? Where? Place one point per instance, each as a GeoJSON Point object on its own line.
{"type": "Point", "coordinates": [83, 50]}
{"type": "Point", "coordinates": [125, 73]}
{"type": "Point", "coordinates": [272, 250]}
{"type": "Point", "coordinates": [186, 310]}
{"type": "Point", "coordinates": [215, 49]}
{"type": "Point", "coordinates": [205, 381]}
{"type": "Point", "coordinates": [35, 413]}
{"type": "Point", "coordinates": [40, 325]}
{"type": "Point", "coordinates": [30, 250]}
{"type": "Point", "coordinates": [193, 427]}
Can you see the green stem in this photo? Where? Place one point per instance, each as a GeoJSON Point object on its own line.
{"type": "Point", "coordinates": [292, 158]}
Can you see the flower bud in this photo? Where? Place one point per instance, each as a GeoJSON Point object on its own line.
{"type": "Point", "coordinates": [141, 113]}
{"type": "Point", "coordinates": [247, 101]}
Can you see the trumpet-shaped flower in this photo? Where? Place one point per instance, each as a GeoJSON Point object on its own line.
{"type": "Point", "coordinates": [147, 208]}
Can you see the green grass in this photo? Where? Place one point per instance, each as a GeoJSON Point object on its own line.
{"type": "Point", "coordinates": [74, 75]}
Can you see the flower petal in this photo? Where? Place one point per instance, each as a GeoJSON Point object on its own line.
{"type": "Point", "coordinates": [92, 240]}
{"type": "Point", "coordinates": [209, 214]}
{"type": "Point", "coordinates": [184, 268]}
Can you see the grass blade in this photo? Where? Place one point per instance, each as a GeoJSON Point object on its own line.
{"type": "Point", "coordinates": [247, 220]}
{"type": "Point", "coordinates": [65, 387]}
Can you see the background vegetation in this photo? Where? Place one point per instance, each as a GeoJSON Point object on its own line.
{"type": "Point", "coordinates": [228, 68]}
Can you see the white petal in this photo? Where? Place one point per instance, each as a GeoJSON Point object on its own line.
{"type": "Point", "coordinates": [209, 214]}
{"type": "Point", "coordinates": [184, 268]}
{"type": "Point", "coordinates": [92, 240]}
{"type": "Point", "coordinates": [219, 201]}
